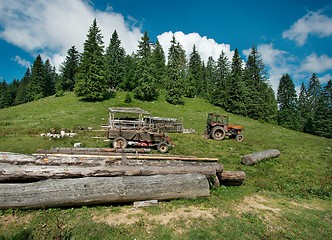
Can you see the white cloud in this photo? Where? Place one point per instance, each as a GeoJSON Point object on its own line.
{"type": "Point", "coordinates": [50, 28]}
{"type": "Point", "coordinates": [206, 47]}
{"type": "Point", "coordinates": [23, 62]}
{"type": "Point", "coordinates": [316, 64]}
{"type": "Point", "coordinates": [313, 23]}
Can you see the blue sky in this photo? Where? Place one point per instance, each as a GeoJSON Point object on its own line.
{"type": "Point", "coordinates": [293, 37]}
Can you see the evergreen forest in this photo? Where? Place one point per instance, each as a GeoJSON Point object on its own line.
{"type": "Point", "coordinates": [238, 86]}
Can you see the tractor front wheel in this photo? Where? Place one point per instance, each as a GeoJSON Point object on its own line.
{"type": "Point", "coordinates": [239, 138]}
{"type": "Point", "coordinates": [218, 133]}
{"type": "Point", "coordinates": [120, 142]}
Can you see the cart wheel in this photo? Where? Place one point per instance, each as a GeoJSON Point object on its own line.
{"type": "Point", "coordinates": [162, 147]}
{"type": "Point", "coordinates": [120, 142]}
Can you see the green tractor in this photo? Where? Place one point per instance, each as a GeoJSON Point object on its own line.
{"type": "Point", "coordinates": [217, 128]}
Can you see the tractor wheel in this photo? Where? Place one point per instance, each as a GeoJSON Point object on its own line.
{"type": "Point", "coordinates": [239, 138]}
{"type": "Point", "coordinates": [218, 133]}
{"type": "Point", "coordinates": [120, 142]}
{"type": "Point", "coordinates": [162, 147]}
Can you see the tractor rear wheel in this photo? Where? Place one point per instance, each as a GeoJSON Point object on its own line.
{"type": "Point", "coordinates": [218, 133]}
{"type": "Point", "coordinates": [120, 142]}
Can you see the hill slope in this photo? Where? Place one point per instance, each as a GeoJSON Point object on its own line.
{"type": "Point", "coordinates": [302, 171]}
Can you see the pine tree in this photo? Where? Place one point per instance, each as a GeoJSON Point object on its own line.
{"type": "Point", "coordinates": [313, 96]}
{"type": "Point", "coordinates": [260, 100]}
{"type": "Point", "coordinates": [235, 89]}
{"type": "Point", "coordinates": [37, 84]}
{"type": "Point", "coordinates": [175, 72]}
{"type": "Point", "coordinates": [322, 120]}
{"type": "Point", "coordinates": [220, 88]}
{"type": "Point", "coordinates": [130, 64]}
{"type": "Point", "coordinates": [304, 107]}
{"type": "Point", "coordinates": [50, 79]}
{"type": "Point", "coordinates": [147, 87]}
{"type": "Point", "coordinates": [159, 65]}
{"type": "Point", "coordinates": [288, 115]}
{"type": "Point", "coordinates": [91, 83]}
{"type": "Point", "coordinates": [68, 70]}
{"type": "Point", "coordinates": [115, 61]}
{"type": "Point", "coordinates": [210, 80]}
{"type": "Point", "coordinates": [194, 84]}
{"type": "Point", "coordinates": [21, 95]}
{"type": "Point", "coordinates": [4, 95]}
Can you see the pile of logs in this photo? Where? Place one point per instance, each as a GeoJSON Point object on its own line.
{"type": "Point", "coordinates": [73, 177]}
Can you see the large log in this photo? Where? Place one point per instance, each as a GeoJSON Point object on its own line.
{"type": "Point", "coordinates": [102, 190]}
{"type": "Point", "coordinates": [253, 158]}
{"type": "Point", "coordinates": [94, 151]}
{"type": "Point", "coordinates": [232, 178]}
{"type": "Point", "coordinates": [28, 173]}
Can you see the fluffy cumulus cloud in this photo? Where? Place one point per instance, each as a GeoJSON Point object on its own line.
{"type": "Point", "coordinates": [206, 47]}
{"type": "Point", "coordinates": [50, 28]}
{"type": "Point", "coordinates": [314, 23]}
{"type": "Point", "coordinates": [317, 64]}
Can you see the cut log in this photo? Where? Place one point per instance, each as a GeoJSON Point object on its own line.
{"type": "Point", "coordinates": [94, 151]}
{"type": "Point", "coordinates": [232, 178]}
{"type": "Point", "coordinates": [27, 173]}
{"type": "Point", "coordinates": [102, 190]}
{"type": "Point", "coordinates": [90, 160]}
{"type": "Point", "coordinates": [253, 158]}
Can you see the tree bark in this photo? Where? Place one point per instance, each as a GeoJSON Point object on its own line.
{"type": "Point", "coordinates": [232, 178]}
{"type": "Point", "coordinates": [253, 158]}
{"type": "Point", "coordinates": [27, 173]}
{"type": "Point", "coordinates": [102, 190]}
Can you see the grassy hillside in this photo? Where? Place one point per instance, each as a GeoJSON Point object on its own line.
{"type": "Point", "coordinates": [283, 198]}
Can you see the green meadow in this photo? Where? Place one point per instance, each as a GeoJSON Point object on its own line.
{"type": "Point", "coordinates": [288, 197]}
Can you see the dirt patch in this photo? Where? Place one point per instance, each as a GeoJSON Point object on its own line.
{"type": "Point", "coordinates": [10, 219]}
{"type": "Point", "coordinates": [256, 203]}
{"type": "Point", "coordinates": [305, 205]}
{"type": "Point", "coordinates": [130, 216]}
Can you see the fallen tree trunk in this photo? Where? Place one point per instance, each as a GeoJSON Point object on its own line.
{"type": "Point", "coordinates": [102, 190]}
{"type": "Point", "coordinates": [253, 158]}
{"type": "Point", "coordinates": [232, 178]}
{"type": "Point", "coordinates": [28, 173]}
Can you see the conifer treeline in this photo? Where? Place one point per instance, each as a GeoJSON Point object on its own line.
{"type": "Point", "coordinates": [239, 88]}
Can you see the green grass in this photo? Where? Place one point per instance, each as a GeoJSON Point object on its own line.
{"type": "Point", "coordinates": [297, 183]}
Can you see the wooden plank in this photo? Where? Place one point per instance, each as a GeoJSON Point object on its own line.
{"type": "Point", "coordinates": [102, 190]}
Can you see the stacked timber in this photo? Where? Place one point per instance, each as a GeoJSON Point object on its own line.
{"type": "Point", "coordinates": [62, 179]}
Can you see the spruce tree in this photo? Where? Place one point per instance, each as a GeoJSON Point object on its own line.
{"type": "Point", "coordinates": [130, 64]}
{"type": "Point", "coordinates": [68, 70]}
{"type": "Point", "coordinates": [235, 89]}
{"type": "Point", "coordinates": [4, 95]}
{"type": "Point", "coordinates": [220, 88]}
{"type": "Point", "coordinates": [90, 81]}
{"type": "Point", "coordinates": [21, 95]}
{"type": "Point", "coordinates": [37, 83]}
{"type": "Point", "coordinates": [288, 115]}
{"type": "Point", "coordinates": [159, 65]}
{"type": "Point", "coordinates": [115, 61]}
{"type": "Point", "coordinates": [322, 119]}
{"type": "Point", "coordinates": [147, 87]}
{"type": "Point", "coordinates": [210, 79]}
{"type": "Point", "coordinates": [194, 83]}
{"type": "Point", "coordinates": [175, 71]}
{"type": "Point", "coordinates": [313, 97]}
{"type": "Point", "coordinates": [260, 100]}
{"type": "Point", "coordinates": [50, 79]}
{"type": "Point", "coordinates": [304, 107]}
